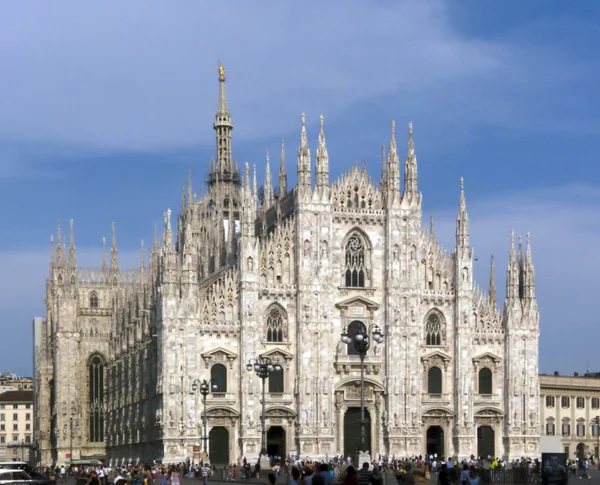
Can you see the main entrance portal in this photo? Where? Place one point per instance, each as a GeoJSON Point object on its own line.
{"type": "Point", "coordinates": [352, 431]}
{"type": "Point", "coordinates": [276, 441]}
{"type": "Point", "coordinates": [485, 441]}
{"type": "Point", "coordinates": [218, 446]}
{"type": "Point", "coordinates": [435, 441]}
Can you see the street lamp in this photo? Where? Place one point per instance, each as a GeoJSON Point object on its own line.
{"type": "Point", "coordinates": [263, 366]}
{"type": "Point", "coordinates": [204, 387]}
{"type": "Point", "coordinates": [359, 335]}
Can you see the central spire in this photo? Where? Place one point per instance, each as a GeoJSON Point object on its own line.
{"type": "Point", "coordinates": [223, 169]}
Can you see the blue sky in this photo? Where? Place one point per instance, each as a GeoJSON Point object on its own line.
{"type": "Point", "coordinates": [105, 109]}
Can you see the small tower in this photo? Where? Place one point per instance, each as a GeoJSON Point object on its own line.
{"type": "Point", "coordinates": [304, 178]}
{"type": "Point", "coordinates": [393, 170]}
{"type": "Point", "coordinates": [411, 190]}
{"type": "Point", "coordinates": [268, 191]}
{"type": "Point", "coordinates": [282, 173]}
{"type": "Point", "coordinates": [322, 162]}
{"type": "Point", "coordinates": [492, 288]}
{"type": "Point", "coordinates": [114, 263]}
{"type": "Point", "coordinates": [223, 168]}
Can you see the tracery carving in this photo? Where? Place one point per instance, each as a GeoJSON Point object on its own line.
{"type": "Point", "coordinates": [435, 329]}
{"type": "Point", "coordinates": [355, 191]}
{"type": "Point", "coordinates": [355, 265]}
{"type": "Point", "coordinates": [276, 324]}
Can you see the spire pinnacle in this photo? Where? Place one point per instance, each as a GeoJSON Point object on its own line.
{"type": "Point", "coordinates": [393, 170]}
{"type": "Point", "coordinates": [254, 182]}
{"type": "Point", "coordinates": [282, 172]}
{"type": "Point", "coordinates": [167, 234]}
{"type": "Point", "coordinates": [247, 179]}
{"type": "Point", "coordinates": [492, 289]}
{"type": "Point", "coordinates": [103, 267]}
{"type": "Point", "coordinates": [303, 135]}
{"type": "Point", "coordinates": [71, 244]}
{"type": "Point", "coordinates": [322, 161]}
{"type": "Point", "coordinates": [190, 195]}
{"type": "Point", "coordinates": [304, 175]}
{"type": "Point", "coordinates": [410, 170]}
{"type": "Point", "coordinates": [113, 250]}
{"type": "Point", "coordinates": [268, 195]}
{"type": "Point", "coordinates": [431, 233]}
{"type": "Point", "coordinates": [223, 170]}
{"type": "Point", "coordinates": [462, 220]}
{"type": "Point", "coordinates": [142, 259]}
{"type": "Point", "coordinates": [155, 241]}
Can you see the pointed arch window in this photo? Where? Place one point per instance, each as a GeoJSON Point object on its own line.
{"type": "Point", "coordinates": [434, 330]}
{"type": "Point", "coordinates": [94, 300]}
{"type": "Point", "coordinates": [355, 262]}
{"type": "Point", "coordinates": [96, 394]}
{"type": "Point", "coordinates": [276, 324]}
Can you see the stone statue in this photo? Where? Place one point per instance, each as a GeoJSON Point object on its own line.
{"type": "Point", "coordinates": [171, 418]}
{"type": "Point", "coordinates": [191, 418]}
{"type": "Point", "coordinates": [415, 415]}
{"type": "Point", "coordinates": [384, 417]}
{"type": "Point", "coordinates": [250, 265]}
{"type": "Point", "coordinates": [413, 386]}
{"type": "Point", "coordinates": [306, 417]}
{"type": "Point", "coordinates": [307, 248]}
{"type": "Point", "coordinates": [532, 417]}
{"type": "Point", "coordinates": [466, 417]}
{"type": "Point", "coordinates": [324, 250]}
{"type": "Point", "coordinates": [326, 416]}
{"type": "Point", "coordinates": [396, 420]}
{"type": "Point", "coordinates": [251, 418]}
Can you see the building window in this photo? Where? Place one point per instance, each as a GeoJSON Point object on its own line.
{"type": "Point", "coordinates": [15, 406]}
{"type": "Point", "coordinates": [28, 417]}
{"type": "Point", "coordinates": [2, 427]}
{"type": "Point", "coordinates": [276, 381]}
{"type": "Point", "coordinates": [27, 427]}
{"type": "Point", "coordinates": [27, 438]}
{"type": "Point", "coordinates": [93, 300]}
{"type": "Point", "coordinates": [565, 402]}
{"type": "Point", "coordinates": [434, 380]}
{"type": "Point", "coordinates": [355, 262]}
{"type": "Point", "coordinates": [27, 406]}
{"type": "Point", "coordinates": [485, 381]}
{"type": "Point", "coordinates": [15, 417]}
{"type": "Point", "coordinates": [355, 328]}
{"type": "Point", "coordinates": [567, 450]}
{"type": "Point", "coordinates": [580, 402]}
{"type": "Point", "coordinates": [550, 429]}
{"type": "Point", "coordinates": [595, 403]}
{"type": "Point", "coordinates": [2, 417]}
{"type": "Point", "coordinates": [218, 378]}
{"type": "Point", "coordinates": [581, 430]}
{"type": "Point", "coordinates": [566, 429]}
{"type": "Point", "coordinates": [2, 406]}
{"type": "Point", "coordinates": [276, 324]}
{"type": "Point", "coordinates": [433, 330]}
{"type": "Point", "coordinates": [15, 437]}
{"type": "Point", "coordinates": [15, 427]}
{"type": "Point", "coordinates": [96, 388]}
{"type": "Point", "coordinates": [2, 439]}
{"type": "Point", "coordinates": [549, 401]}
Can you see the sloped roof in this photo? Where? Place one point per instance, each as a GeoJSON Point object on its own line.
{"type": "Point", "coordinates": [17, 396]}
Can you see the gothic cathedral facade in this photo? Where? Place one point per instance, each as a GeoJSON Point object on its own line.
{"type": "Point", "coordinates": [280, 273]}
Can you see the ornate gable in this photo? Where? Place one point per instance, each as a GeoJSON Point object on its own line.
{"type": "Point", "coordinates": [218, 355]}
{"type": "Point", "coordinates": [486, 359]}
{"type": "Point", "coordinates": [357, 306]}
{"type": "Point", "coordinates": [436, 359]}
{"type": "Point", "coordinates": [279, 355]}
{"type": "Point", "coordinates": [355, 191]}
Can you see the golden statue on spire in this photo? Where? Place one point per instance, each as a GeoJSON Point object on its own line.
{"type": "Point", "coordinates": [221, 73]}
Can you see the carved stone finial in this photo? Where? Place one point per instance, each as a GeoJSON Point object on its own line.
{"type": "Point", "coordinates": [303, 117]}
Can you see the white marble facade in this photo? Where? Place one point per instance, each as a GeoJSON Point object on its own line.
{"type": "Point", "coordinates": [281, 272]}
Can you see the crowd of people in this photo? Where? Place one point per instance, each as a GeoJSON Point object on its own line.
{"type": "Point", "coordinates": [337, 470]}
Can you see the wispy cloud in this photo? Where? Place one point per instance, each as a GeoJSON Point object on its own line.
{"type": "Point", "coordinates": [143, 76]}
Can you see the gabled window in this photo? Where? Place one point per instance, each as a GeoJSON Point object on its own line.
{"type": "Point", "coordinates": [276, 324]}
{"type": "Point", "coordinates": [434, 334]}
{"type": "Point", "coordinates": [355, 262]}
{"type": "Point", "coordinates": [96, 393]}
{"type": "Point", "coordinates": [93, 300]}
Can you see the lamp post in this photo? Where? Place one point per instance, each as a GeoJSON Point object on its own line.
{"type": "Point", "coordinates": [204, 387]}
{"type": "Point", "coordinates": [359, 336]}
{"type": "Point", "coordinates": [263, 366]}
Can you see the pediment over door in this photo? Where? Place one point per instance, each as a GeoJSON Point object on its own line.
{"type": "Point", "coordinates": [357, 306]}
{"type": "Point", "coordinates": [218, 355]}
{"type": "Point", "coordinates": [280, 412]}
{"type": "Point", "coordinates": [221, 412]}
{"type": "Point", "coordinates": [488, 416]}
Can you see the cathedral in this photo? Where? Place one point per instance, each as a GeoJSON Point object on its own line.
{"type": "Point", "coordinates": [279, 273]}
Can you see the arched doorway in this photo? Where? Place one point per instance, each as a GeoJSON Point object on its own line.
{"type": "Point", "coordinates": [435, 441]}
{"type": "Point", "coordinates": [276, 441]}
{"type": "Point", "coordinates": [580, 450]}
{"type": "Point", "coordinates": [485, 441]}
{"type": "Point", "coordinates": [218, 446]}
{"type": "Point", "coordinates": [352, 431]}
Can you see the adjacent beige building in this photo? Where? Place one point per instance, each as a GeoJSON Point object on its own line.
{"type": "Point", "coordinates": [16, 425]}
{"type": "Point", "coordinates": [569, 408]}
